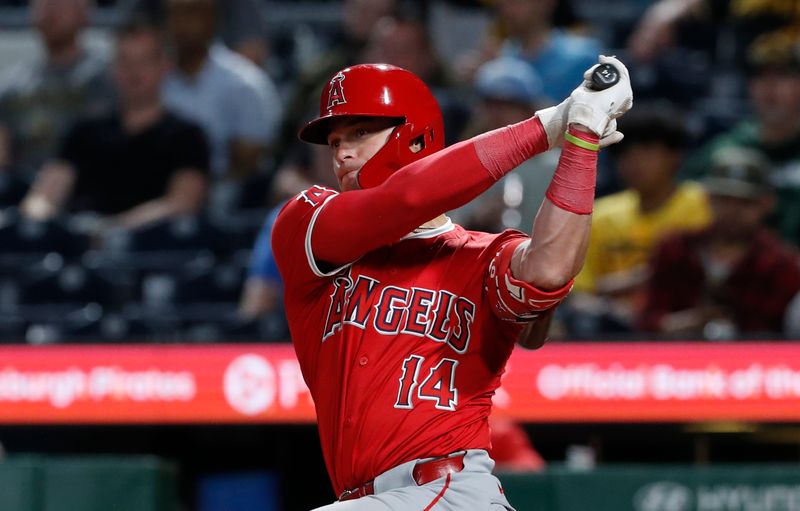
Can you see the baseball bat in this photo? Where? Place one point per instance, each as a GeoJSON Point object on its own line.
{"type": "Point", "coordinates": [604, 76]}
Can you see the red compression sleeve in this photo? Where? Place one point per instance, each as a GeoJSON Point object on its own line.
{"type": "Point", "coordinates": [354, 223]}
{"type": "Point", "coordinates": [573, 184]}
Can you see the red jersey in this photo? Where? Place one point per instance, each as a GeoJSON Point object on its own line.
{"type": "Point", "coordinates": [402, 349]}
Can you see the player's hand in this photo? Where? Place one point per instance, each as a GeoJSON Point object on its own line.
{"type": "Point", "coordinates": [597, 109]}
{"type": "Point", "coordinates": [555, 121]}
{"type": "Point", "coordinates": [611, 136]}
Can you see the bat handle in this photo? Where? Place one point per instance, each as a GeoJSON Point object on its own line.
{"type": "Point", "coordinates": [604, 76]}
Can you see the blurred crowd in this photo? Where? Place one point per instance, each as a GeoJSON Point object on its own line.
{"type": "Point", "coordinates": [138, 186]}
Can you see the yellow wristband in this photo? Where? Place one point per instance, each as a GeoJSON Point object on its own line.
{"type": "Point", "coordinates": [580, 142]}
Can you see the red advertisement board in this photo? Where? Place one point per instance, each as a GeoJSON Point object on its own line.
{"type": "Point", "coordinates": [563, 382]}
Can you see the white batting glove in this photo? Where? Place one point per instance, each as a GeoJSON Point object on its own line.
{"type": "Point", "coordinates": [596, 109]}
{"type": "Point", "coordinates": [611, 136]}
{"type": "Point", "coordinates": [555, 122]}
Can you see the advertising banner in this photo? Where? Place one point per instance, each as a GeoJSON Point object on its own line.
{"type": "Point", "coordinates": [257, 383]}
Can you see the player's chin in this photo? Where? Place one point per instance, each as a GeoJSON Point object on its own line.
{"type": "Point", "coordinates": [349, 182]}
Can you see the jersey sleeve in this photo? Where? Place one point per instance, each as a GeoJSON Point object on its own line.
{"type": "Point", "coordinates": [291, 235]}
{"type": "Point", "coordinates": [512, 299]}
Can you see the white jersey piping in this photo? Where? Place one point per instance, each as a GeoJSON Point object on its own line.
{"type": "Point", "coordinates": [446, 227]}
{"type": "Point", "coordinates": [312, 263]}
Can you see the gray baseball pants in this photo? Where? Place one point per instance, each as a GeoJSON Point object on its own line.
{"type": "Point", "coordinates": [472, 489]}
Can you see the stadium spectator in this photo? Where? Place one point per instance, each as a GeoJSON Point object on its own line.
{"type": "Point", "coordinates": [262, 294]}
{"type": "Point", "coordinates": [734, 278]}
{"type": "Point", "coordinates": [525, 29]}
{"type": "Point", "coordinates": [626, 226]}
{"type": "Point", "coordinates": [41, 97]}
{"type": "Point", "coordinates": [508, 91]}
{"type": "Point", "coordinates": [773, 129]}
{"type": "Point", "coordinates": [233, 100]}
{"type": "Point", "coordinates": [12, 186]}
{"type": "Point", "coordinates": [690, 52]}
{"type": "Point", "coordinates": [403, 40]}
{"type": "Point", "coordinates": [341, 50]}
{"type": "Point", "coordinates": [658, 28]}
{"type": "Point", "coordinates": [134, 166]}
{"type": "Point", "coordinates": [302, 167]}
{"type": "Point", "coordinates": [242, 26]}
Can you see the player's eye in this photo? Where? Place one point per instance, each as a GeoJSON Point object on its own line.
{"type": "Point", "coordinates": [362, 132]}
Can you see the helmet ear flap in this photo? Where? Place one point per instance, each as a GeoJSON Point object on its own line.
{"type": "Point", "coordinates": [386, 161]}
{"type": "Point", "coordinates": [405, 145]}
{"type": "Point", "coordinates": [425, 143]}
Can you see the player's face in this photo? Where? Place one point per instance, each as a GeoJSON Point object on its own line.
{"type": "Point", "coordinates": [353, 141]}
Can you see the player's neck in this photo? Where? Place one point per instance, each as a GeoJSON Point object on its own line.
{"type": "Point", "coordinates": [432, 224]}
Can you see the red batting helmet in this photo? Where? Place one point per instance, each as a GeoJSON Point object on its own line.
{"type": "Point", "coordinates": [381, 90]}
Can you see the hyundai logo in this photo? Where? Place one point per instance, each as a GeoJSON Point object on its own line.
{"type": "Point", "coordinates": [663, 496]}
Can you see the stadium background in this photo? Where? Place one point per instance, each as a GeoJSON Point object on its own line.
{"type": "Point", "coordinates": [737, 433]}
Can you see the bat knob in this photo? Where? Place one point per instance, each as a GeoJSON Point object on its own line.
{"type": "Point", "coordinates": [604, 76]}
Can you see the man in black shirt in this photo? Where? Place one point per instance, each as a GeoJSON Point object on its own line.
{"type": "Point", "coordinates": [133, 167]}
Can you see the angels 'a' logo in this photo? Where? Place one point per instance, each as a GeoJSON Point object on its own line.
{"type": "Point", "coordinates": [336, 94]}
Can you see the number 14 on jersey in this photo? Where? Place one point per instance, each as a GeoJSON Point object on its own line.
{"type": "Point", "coordinates": [438, 385]}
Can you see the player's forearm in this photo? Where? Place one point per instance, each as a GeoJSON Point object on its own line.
{"type": "Point", "coordinates": [557, 251]}
{"type": "Point", "coordinates": [561, 229]}
{"type": "Point", "coordinates": [421, 191]}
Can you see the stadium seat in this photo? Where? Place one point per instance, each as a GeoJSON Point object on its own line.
{"type": "Point", "coordinates": [26, 242]}
{"type": "Point", "coordinates": [12, 328]}
{"type": "Point", "coordinates": [12, 189]}
{"type": "Point", "coordinates": [179, 234]}
{"type": "Point", "coordinates": [219, 283]}
{"type": "Point", "coordinates": [72, 283]}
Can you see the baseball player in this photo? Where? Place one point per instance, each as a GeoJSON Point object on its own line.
{"type": "Point", "coordinates": [401, 320]}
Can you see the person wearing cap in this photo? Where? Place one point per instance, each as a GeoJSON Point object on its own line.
{"type": "Point", "coordinates": [627, 225]}
{"type": "Point", "coordinates": [773, 129]}
{"type": "Point", "coordinates": [508, 91]}
{"type": "Point", "coordinates": [734, 279]}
